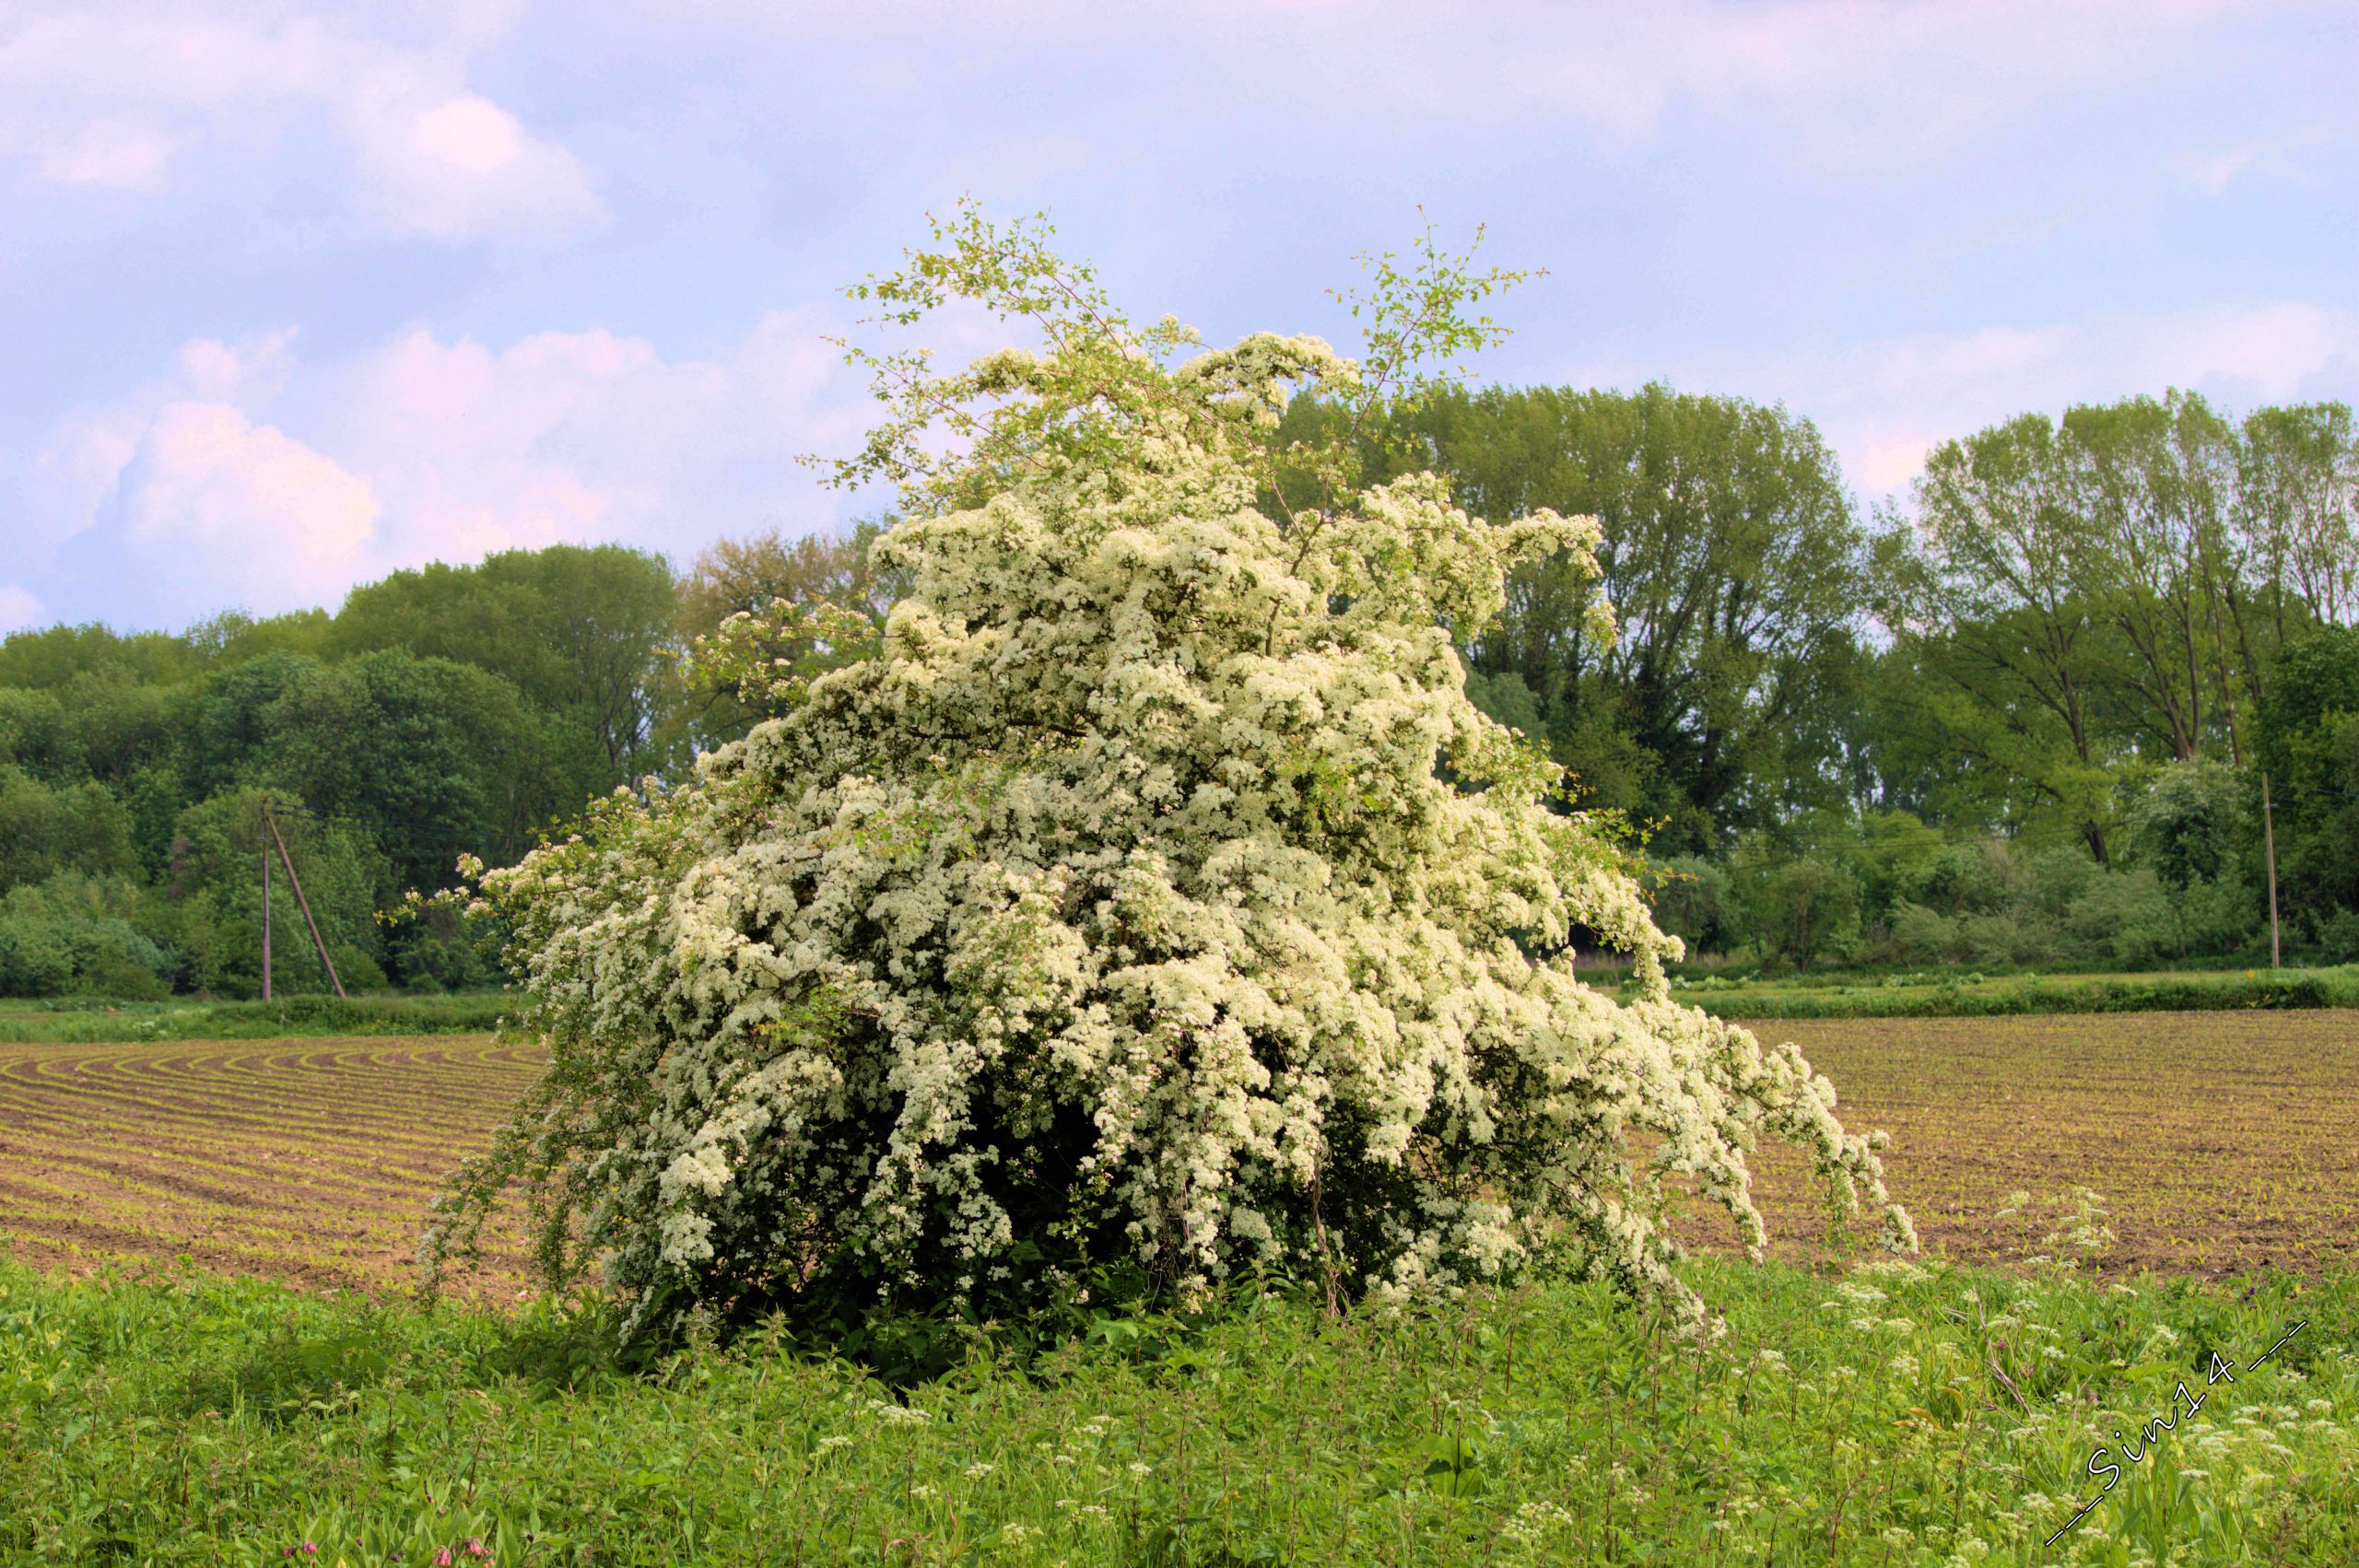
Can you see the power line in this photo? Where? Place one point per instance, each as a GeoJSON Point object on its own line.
{"type": "Point", "coordinates": [371, 825]}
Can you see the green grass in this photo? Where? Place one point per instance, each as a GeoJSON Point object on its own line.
{"type": "Point", "coordinates": [1969, 996]}
{"type": "Point", "coordinates": [1800, 997]}
{"type": "Point", "coordinates": [1922, 1416]}
{"type": "Point", "coordinates": [464, 1012]}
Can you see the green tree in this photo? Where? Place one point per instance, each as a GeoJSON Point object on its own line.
{"type": "Point", "coordinates": [231, 733]}
{"type": "Point", "coordinates": [48, 656]}
{"type": "Point", "coordinates": [2194, 823]}
{"type": "Point", "coordinates": [32, 724]}
{"type": "Point", "coordinates": [47, 829]}
{"type": "Point", "coordinates": [432, 758]}
{"type": "Point", "coordinates": [1694, 900]}
{"type": "Point", "coordinates": [747, 578]}
{"type": "Point", "coordinates": [583, 633]}
{"type": "Point", "coordinates": [2308, 739]}
{"type": "Point", "coordinates": [1982, 590]}
{"type": "Point", "coordinates": [2157, 481]}
{"type": "Point", "coordinates": [2297, 518]}
{"type": "Point", "coordinates": [1805, 909]}
{"type": "Point", "coordinates": [1731, 557]}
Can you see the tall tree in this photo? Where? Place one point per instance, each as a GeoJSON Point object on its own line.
{"type": "Point", "coordinates": [2157, 482]}
{"type": "Point", "coordinates": [1732, 558]}
{"type": "Point", "coordinates": [1983, 585]}
{"type": "Point", "coordinates": [2297, 515]}
{"type": "Point", "coordinates": [583, 632]}
{"type": "Point", "coordinates": [2308, 734]}
{"type": "Point", "coordinates": [747, 577]}
{"type": "Point", "coordinates": [434, 758]}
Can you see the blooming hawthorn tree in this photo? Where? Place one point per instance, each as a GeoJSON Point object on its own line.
{"type": "Point", "coordinates": [1147, 895]}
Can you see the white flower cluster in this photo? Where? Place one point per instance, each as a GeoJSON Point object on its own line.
{"type": "Point", "coordinates": [1154, 890]}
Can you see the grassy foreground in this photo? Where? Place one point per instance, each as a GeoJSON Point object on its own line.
{"type": "Point", "coordinates": [1905, 1415]}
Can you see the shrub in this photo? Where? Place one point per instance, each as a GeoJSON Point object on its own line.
{"type": "Point", "coordinates": [2001, 940]}
{"type": "Point", "coordinates": [76, 934]}
{"type": "Point", "coordinates": [1919, 935]}
{"type": "Point", "coordinates": [2338, 937]}
{"type": "Point", "coordinates": [1805, 909]}
{"type": "Point", "coordinates": [1979, 877]}
{"type": "Point", "coordinates": [2194, 822]}
{"type": "Point", "coordinates": [1694, 900]}
{"type": "Point", "coordinates": [2125, 915]}
{"type": "Point", "coordinates": [1149, 907]}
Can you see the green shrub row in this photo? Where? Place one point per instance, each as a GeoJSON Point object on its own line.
{"type": "Point", "coordinates": [465, 1012]}
{"type": "Point", "coordinates": [2038, 994]}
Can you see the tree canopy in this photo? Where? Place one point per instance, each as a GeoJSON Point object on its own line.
{"type": "Point", "coordinates": [1731, 554]}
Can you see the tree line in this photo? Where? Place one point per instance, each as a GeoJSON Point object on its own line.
{"type": "Point", "coordinates": [2022, 716]}
{"type": "Point", "coordinates": [439, 711]}
{"type": "Point", "coordinates": [2027, 713]}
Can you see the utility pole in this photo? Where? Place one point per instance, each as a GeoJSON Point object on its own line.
{"type": "Point", "coordinates": [266, 923]}
{"type": "Point", "coordinates": [301, 902]}
{"type": "Point", "coordinates": [2268, 837]}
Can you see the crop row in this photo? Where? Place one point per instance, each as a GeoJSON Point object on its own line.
{"type": "Point", "coordinates": [2184, 1143]}
{"type": "Point", "coordinates": [303, 1159]}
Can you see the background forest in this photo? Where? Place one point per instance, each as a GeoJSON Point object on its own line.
{"type": "Point", "coordinates": [2024, 718]}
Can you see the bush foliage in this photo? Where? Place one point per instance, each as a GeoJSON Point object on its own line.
{"type": "Point", "coordinates": [1147, 907]}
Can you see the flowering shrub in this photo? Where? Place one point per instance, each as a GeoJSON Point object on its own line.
{"type": "Point", "coordinates": [1151, 895]}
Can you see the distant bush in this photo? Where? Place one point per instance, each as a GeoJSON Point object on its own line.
{"type": "Point", "coordinates": [1987, 905]}
{"type": "Point", "coordinates": [1695, 901]}
{"type": "Point", "coordinates": [1970, 997]}
{"type": "Point", "coordinates": [74, 933]}
{"type": "Point", "coordinates": [1806, 909]}
{"type": "Point", "coordinates": [466, 1014]}
{"type": "Point", "coordinates": [2337, 936]}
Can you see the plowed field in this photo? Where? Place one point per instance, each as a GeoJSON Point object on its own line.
{"type": "Point", "coordinates": [307, 1160]}
{"type": "Point", "coordinates": [2219, 1141]}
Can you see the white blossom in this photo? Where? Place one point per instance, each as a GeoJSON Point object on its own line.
{"type": "Point", "coordinates": [1157, 860]}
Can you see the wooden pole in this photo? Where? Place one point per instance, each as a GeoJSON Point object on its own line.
{"type": "Point", "coordinates": [266, 923]}
{"type": "Point", "coordinates": [301, 902]}
{"type": "Point", "coordinates": [2268, 837]}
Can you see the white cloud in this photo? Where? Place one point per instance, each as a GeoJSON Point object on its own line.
{"type": "Point", "coordinates": [19, 609]}
{"type": "Point", "coordinates": [591, 434]}
{"type": "Point", "coordinates": [66, 482]}
{"type": "Point", "coordinates": [1883, 403]}
{"type": "Point", "coordinates": [1841, 83]}
{"type": "Point", "coordinates": [120, 97]}
{"type": "Point", "coordinates": [423, 448]}
{"type": "Point", "coordinates": [124, 155]}
{"type": "Point", "coordinates": [249, 371]}
{"type": "Point", "coordinates": [2213, 172]}
{"type": "Point", "coordinates": [257, 516]}
{"type": "Point", "coordinates": [454, 168]}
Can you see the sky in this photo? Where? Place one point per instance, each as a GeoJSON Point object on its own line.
{"type": "Point", "coordinates": [291, 296]}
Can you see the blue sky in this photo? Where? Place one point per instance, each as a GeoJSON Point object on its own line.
{"type": "Point", "coordinates": [291, 296]}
